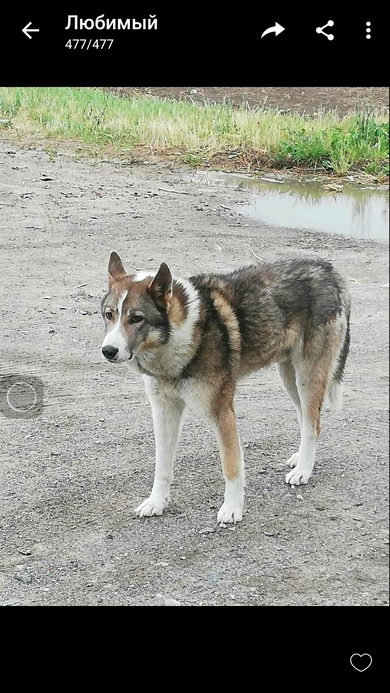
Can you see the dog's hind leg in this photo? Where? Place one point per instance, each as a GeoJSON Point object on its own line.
{"type": "Point", "coordinates": [167, 418]}
{"type": "Point", "coordinates": [311, 379]}
{"type": "Point", "coordinates": [286, 372]}
{"type": "Point", "coordinates": [232, 464]}
{"type": "Point", "coordinates": [318, 366]}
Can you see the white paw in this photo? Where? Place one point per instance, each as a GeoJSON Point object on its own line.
{"type": "Point", "coordinates": [293, 460]}
{"type": "Point", "coordinates": [229, 513]}
{"type": "Point", "coordinates": [151, 506]}
{"type": "Point", "coordinates": [297, 477]}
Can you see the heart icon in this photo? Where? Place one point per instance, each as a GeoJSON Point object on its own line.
{"type": "Point", "coordinates": [361, 662]}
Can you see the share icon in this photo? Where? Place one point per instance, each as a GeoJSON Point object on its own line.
{"type": "Point", "coordinates": [320, 30]}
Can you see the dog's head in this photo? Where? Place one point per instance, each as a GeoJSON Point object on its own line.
{"type": "Point", "coordinates": [135, 311]}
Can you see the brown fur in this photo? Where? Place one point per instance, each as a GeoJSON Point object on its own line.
{"type": "Point", "coordinates": [177, 311]}
{"type": "Point", "coordinates": [228, 439]}
{"type": "Point", "coordinates": [229, 318]}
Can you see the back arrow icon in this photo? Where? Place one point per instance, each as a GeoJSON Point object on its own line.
{"type": "Point", "coordinates": [277, 29]}
{"type": "Point", "coordinates": [27, 29]}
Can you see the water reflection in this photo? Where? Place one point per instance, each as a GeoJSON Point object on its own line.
{"type": "Point", "coordinates": [358, 212]}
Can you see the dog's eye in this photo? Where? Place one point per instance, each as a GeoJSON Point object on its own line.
{"type": "Point", "coordinates": [136, 318]}
{"type": "Point", "coordinates": [108, 315]}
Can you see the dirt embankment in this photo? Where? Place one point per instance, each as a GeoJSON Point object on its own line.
{"type": "Point", "coordinates": [286, 99]}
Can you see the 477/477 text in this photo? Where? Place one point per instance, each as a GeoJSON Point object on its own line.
{"type": "Point", "coordinates": [86, 44]}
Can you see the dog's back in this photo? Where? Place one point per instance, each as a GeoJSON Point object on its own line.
{"type": "Point", "coordinates": [265, 314]}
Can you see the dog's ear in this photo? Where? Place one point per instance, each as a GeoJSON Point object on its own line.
{"type": "Point", "coordinates": [115, 269]}
{"type": "Point", "coordinates": [161, 287]}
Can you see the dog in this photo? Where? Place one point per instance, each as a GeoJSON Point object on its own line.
{"type": "Point", "coordinates": [192, 340]}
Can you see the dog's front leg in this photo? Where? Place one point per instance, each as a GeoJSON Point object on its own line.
{"type": "Point", "coordinates": [167, 416]}
{"type": "Point", "coordinates": [233, 466]}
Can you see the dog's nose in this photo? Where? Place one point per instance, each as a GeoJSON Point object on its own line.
{"type": "Point", "coordinates": [109, 352]}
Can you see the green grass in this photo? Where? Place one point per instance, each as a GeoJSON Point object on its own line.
{"type": "Point", "coordinates": [197, 132]}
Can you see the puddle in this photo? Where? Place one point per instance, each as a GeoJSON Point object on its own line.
{"type": "Point", "coordinates": [356, 212]}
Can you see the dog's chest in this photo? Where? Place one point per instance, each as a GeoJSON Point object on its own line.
{"type": "Point", "coordinates": [194, 393]}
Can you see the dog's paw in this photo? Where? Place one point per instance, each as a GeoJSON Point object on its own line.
{"type": "Point", "coordinates": [297, 477]}
{"type": "Point", "coordinates": [293, 460]}
{"type": "Point", "coordinates": [151, 506]}
{"type": "Point", "coordinates": [229, 513]}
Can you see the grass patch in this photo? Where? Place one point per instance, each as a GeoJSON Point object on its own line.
{"type": "Point", "coordinates": [197, 133]}
{"type": "Point", "coordinates": [357, 141]}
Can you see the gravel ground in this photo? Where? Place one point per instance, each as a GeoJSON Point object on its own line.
{"type": "Point", "coordinates": [72, 476]}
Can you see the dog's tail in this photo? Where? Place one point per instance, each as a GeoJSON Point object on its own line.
{"type": "Point", "coordinates": [334, 394]}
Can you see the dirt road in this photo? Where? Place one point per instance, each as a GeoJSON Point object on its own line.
{"type": "Point", "coordinates": [72, 476]}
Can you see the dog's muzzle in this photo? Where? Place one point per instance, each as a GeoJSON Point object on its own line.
{"type": "Point", "coordinates": [109, 352]}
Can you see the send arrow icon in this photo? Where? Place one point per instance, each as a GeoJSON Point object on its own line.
{"type": "Point", "coordinates": [27, 29]}
{"type": "Point", "coordinates": [277, 29]}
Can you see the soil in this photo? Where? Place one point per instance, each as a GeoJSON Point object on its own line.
{"type": "Point", "coordinates": [72, 476]}
{"type": "Point", "coordinates": [285, 99]}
